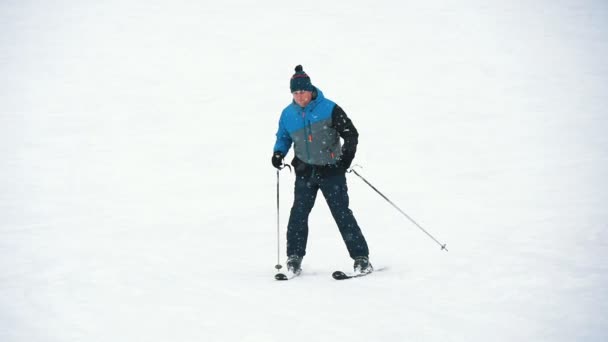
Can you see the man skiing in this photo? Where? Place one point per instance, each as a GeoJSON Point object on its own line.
{"type": "Point", "coordinates": [314, 125]}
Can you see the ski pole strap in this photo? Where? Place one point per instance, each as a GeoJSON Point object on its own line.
{"type": "Point", "coordinates": [443, 246]}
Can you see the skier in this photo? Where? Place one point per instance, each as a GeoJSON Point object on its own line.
{"type": "Point", "coordinates": [315, 124]}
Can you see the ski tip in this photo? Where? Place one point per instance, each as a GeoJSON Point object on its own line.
{"type": "Point", "coordinates": [280, 276]}
{"type": "Point", "coordinates": [339, 275]}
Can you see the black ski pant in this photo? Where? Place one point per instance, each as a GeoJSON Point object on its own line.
{"type": "Point", "coordinates": [335, 191]}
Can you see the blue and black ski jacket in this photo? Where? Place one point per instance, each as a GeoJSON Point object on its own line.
{"type": "Point", "coordinates": [315, 133]}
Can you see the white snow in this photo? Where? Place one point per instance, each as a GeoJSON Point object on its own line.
{"type": "Point", "coordinates": [137, 198]}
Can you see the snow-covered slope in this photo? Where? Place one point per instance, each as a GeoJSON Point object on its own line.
{"type": "Point", "coordinates": [137, 199]}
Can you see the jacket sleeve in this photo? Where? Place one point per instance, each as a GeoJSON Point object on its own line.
{"type": "Point", "coordinates": [283, 142]}
{"type": "Point", "coordinates": [346, 130]}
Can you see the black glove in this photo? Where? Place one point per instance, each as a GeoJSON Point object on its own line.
{"type": "Point", "coordinates": [277, 160]}
{"type": "Point", "coordinates": [346, 160]}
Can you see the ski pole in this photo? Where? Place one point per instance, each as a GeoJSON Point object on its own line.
{"type": "Point", "coordinates": [443, 246]}
{"type": "Point", "coordinates": [278, 265]}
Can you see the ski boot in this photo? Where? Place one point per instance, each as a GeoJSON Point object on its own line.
{"type": "Point", "coordinates": [294, 264]}
{"type": "Point", "coordinates": [362, 265]}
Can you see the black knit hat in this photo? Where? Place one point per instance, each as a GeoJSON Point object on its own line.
{"type": "Point", "coordinates": [300, 81]}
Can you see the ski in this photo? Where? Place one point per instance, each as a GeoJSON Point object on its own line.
{"type": "Point", "coordinates": [339, 275]}
{"type": "Point", "coordinates": [285, 276]}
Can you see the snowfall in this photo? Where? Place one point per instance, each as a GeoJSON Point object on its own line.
{"type": "Point", "coordinates": [138, 201]}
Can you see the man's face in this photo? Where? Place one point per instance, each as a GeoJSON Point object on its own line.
{"type": "Point", "coordinates": [302, 97]}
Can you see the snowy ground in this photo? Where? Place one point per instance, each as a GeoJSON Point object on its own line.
{"type": "Point", "coordinates": [137, 199]}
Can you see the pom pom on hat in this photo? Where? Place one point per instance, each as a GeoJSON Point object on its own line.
{"type": "Point", "coordinates": [300, 80]}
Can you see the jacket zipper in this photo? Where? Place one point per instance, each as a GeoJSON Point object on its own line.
{"type": "Point", "coordinates": [308, 135]}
